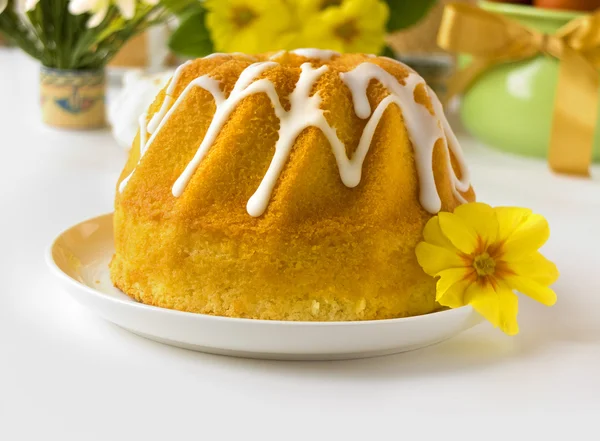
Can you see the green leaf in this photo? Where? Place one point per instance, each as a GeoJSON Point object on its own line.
{"type": "Point", "coordinates": [405, 13]}
{"type": "Point", "coordinates": [388, 52]}
{"type": "Point", "coordinates": [116, 25]}
{"type": "Point", "coordinates": [192, 38]}
{"type": "Point", "coordinates": [179, 7]}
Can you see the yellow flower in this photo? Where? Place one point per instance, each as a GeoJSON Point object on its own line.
{"type": "Point", "coordinates": [481, 254]}
{"type": "Point", "coordinates": [343, 25]}
{"type": "Point", "coordinates": [249, 26]}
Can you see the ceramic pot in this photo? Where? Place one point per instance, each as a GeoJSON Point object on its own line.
{"type": "Point", "coordinates": [73, 99]}
{"type": "Point", "coordinates": [510, 106]}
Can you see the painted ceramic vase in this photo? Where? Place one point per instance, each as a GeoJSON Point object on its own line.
{"type": "Point", "coordinates": [73, 99]}
{"type": "Point", "coordinates": [509, 107]}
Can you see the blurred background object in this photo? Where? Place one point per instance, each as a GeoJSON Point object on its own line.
{"type": "Point", "coordinates": [417, 47]}
{"type": "Point", "coordinates": [74, 40]}
{"type": "Point", "coordinates": [255, 26]}
{"type": "Point", "coordinates": [146, 50]}
{"type": "Point", "coordinates": [568, 5]}
{"type": "Point", "coordinates": [421, 38]}
{"type": "Point", "coordinates": [138, 91]}
{"type": "Point", "coordinates": [530, 81]}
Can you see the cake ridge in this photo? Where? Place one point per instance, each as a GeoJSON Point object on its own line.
{"type": "Point", "coordinates": [423, 128]}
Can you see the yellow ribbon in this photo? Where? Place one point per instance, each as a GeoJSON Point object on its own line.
{"type": "Point", "coordinates": [492, 39]}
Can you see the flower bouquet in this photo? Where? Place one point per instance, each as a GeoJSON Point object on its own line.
{"type": "Point", "coordinates": [254, 26]}
{"type": "Point", "coordinates": [74, 40]}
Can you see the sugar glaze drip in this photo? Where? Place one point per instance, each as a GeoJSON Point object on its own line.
{"type": "Point", "coordinates": [230, 54]}
{"type": "Point", "coordinates": [423, 128]}
{"type": "Point", "coordinates": [158, 116]}
{"type": "Point", "coordinates": [317, 54]}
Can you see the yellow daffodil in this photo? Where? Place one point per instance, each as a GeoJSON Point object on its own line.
{"type": "Point", "coordinates": [481, 254]}
{"type": "Point", "coordinates": [249, 26]}
{"type": "Point", "coordinates": [343, 25]}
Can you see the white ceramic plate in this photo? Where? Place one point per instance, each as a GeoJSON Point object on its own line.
{"type": "Point", "coordinates": [79, 258]}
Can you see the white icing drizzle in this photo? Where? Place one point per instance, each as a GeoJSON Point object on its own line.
{"type": "Point", "coordinates": [424, 129]}
{"type": "Point", "coordinates": [243, 88]}
{"type": "Point", "coordinates": [318, 54]}
{"type": "Point", "coordinates": [276, 55]}
{"type": "Point", "coordinates": [158, 116]}
{"type": "Point", "coordinates": [231, 54]}
{"type": "Point", "coordinates": [143, 147]}
{"type": "Point", "coordinates": [462, 184]}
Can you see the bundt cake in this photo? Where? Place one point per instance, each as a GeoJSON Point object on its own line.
{"type": "Point", "coordinates": [286, 186]}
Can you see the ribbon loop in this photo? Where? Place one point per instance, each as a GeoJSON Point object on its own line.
{"type": "Point", "coordinates": [500, 40]}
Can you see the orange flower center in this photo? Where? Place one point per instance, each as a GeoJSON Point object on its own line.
{"type": "Point", "coordinates": [243, 16]}
{"type": "Point", "coordinates": [347, 31]}
{"type": "Point", "coordinates": [484, 265]}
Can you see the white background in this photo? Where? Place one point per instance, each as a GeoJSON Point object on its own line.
{"type": "Point", "coordinates": [66, 374]}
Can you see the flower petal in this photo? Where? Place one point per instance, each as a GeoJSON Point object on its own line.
{"type": "Point", "coordinates": [448, 278]}
{"type": "Point", "coordinates": [533, 289]}
{"type": "Point", "coordinates": [483, 298]}
{"type": "Point", "coordinates": [96, 19]}
{"type": "Point", "coordinates": [434, 259]}
{"type": "Point", "coordinates": [458, 232]}
{"type": "Point", "coordinates": [509, 219]}
{"type": "Point", "coordinates": [77, 7]}
{"type": "Point", "coordinates": [499, 306]}
{"type": "Point", "coordinates": [454, 297]}
{"type": "Point", "coordinates": [434, 235]}
{"type": "Point", "coordinates": [527, 238]}
{"type": "Point", "coordinates": [536, 267]}
{"type": "Point", "coordinates": [30, 5]}
{"type": "Point", "coordinates": [481, 218]}
{"type": "Point", "coordinates": [508, 304]}
{"type": "Point", "coordinates": [127, 8]}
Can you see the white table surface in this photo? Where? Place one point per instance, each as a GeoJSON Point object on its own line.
{"type": "Point", "coordinates": [67, 374]}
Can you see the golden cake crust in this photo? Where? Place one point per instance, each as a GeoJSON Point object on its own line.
{"type": "Point", "coordinates": [321, 250]}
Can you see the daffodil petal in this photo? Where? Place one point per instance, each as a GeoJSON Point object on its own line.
{"type": "Point", "coordinates": [533, 289]}
{"type": "Point", "coordinates": [483, 298]}
{"type": "Point", "coordinates": [448, 278]}
{"type": "Point", "coordinates": [527, 238]}
{"type": "Point", "coordinates": [454, 297]}
{"type": "Point", "coordinates": [458, 232]}
{"type": "Point", "coordinates": [434, 235]}
{"type": "Point", "coordinates": [536, 267]}
{"type": "Point", "coordinates": [97, 18]}
{"type": "Point", "coordinates": [508, 306]}
{"type": "Point", "coordinates": [481, 218]}
{"type": "Point", "coordinates": [434, 259]}
{"type": "Point", "coordinates": [509, 219]}
{"type": "Point", "coordinates": [127, 8]}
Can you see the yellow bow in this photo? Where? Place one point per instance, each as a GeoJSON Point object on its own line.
{"type": "Point", "coordinates": [492, 39]}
